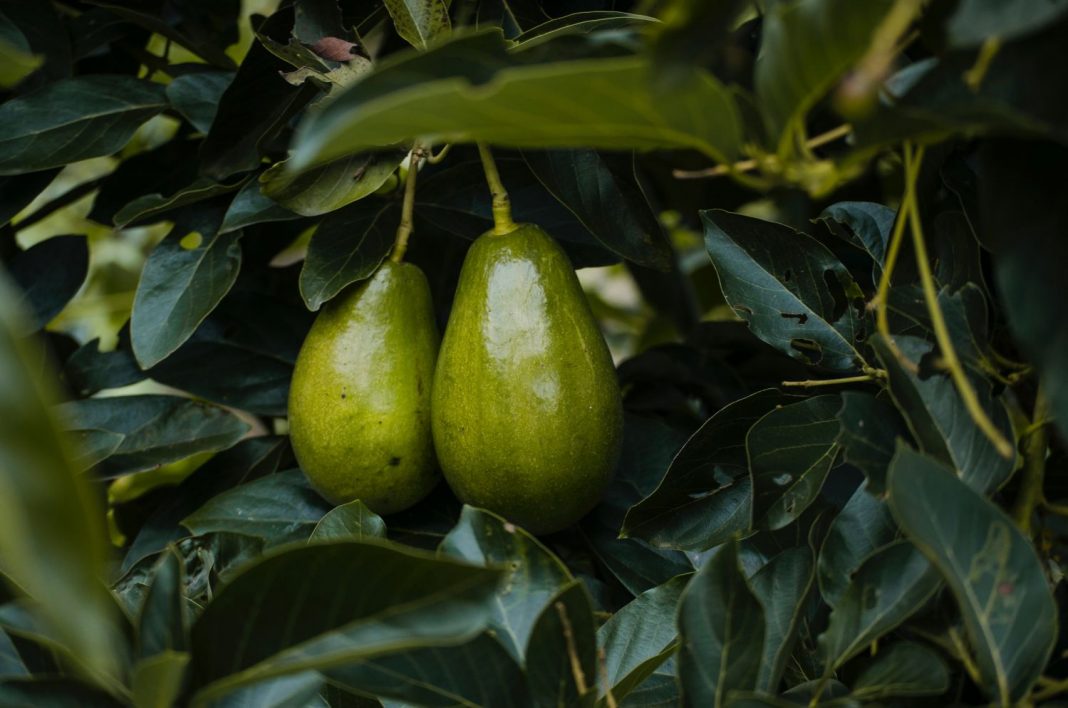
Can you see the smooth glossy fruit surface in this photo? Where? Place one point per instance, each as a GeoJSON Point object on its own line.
{"type": "Point", "coordinates": [527, 417]}
{"type": "Point", "coordinates": [359, 406]}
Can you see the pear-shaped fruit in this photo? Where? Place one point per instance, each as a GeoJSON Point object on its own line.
{"type": "Point", "coordinates": [527, 416]}
{"type": "Point", "coordinates": [359, 406]}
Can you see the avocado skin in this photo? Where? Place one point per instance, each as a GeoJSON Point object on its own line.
{"type": "Point", "coordinates": [359, 404]}
{"type": "Point", "coordinates": [526, 413]}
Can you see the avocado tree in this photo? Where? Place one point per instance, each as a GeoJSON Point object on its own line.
{"type": "Point", "coordinates": [822, 240]}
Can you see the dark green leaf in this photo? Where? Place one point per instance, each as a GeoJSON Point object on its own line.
{"type": "Point", "coordinates": [352, 520]}
{"type": "Point", "coordinates": [347, 247]}
{"type": "Point", "coordinates": [185, 277]}
{"type": "Point", "coordinates": [721, 627]}
{"type": "Point", "coordinates": [155, 429]}
{"type": "Point", "coordinates": [563, 642]}
{"type": "Point", "coordinates": [863, 526]}
{"type": "Point", "coordinates": [420, 21]}
{"type": "Point", "coordinates": [611, 103]}
{"type": "Point", "coordinates": [54, 693]}
{"type": "Point", "coordinates": [866, 225]}
{"type": "Point", "coordinates": [250, 207]}
{"type": "Point", "coordinates": [196, 96]}
{"type": "Point", "coordinates": [661, 690]}
{"type": "Point", "coordinates": [902, 669]}
{"type": "Point", "coordinates": [533, 574]}
{"type": "Point", "coordinates": [603, 192]}
{"type": "Point", "coordinates": [537, 29]}
{"type": "Point", "coordinates": [16, 193]}
{"type": "Point", "coordinates": [782, 587]}
{"type": "Point", "coordinates": [73, 120]}
{"type": "Point", "coordinates": [990, 567]}
{"type": "Point", "coordinates": [51, 543]}
{"type": "Point", "coordinates": [49, 274]}
{"type": "Point", "coordinates": [11, 664]}
{"type": "Point", "coordinates": [205, 30]}
{"type": "Point", "coordinates": [278, 508]}
{"type": "Point", "coordinates": [791, 450]}
{"type": "Point", "coordinates": [938, 419]}
{"type": "Point", "coordinates": [292, 691]}
{"type": "Point", "coordinates": [315, 19]}
{"type": "Point", "coordinates": [791, 290]}
{"type": "Point", "coordinates": [641, 636]}
{"type": "Point", "coordinates": [157, 681]}
{"type": "Point", "coordinates": [164, 619]}
{"type": "Point", "coordinates": [798, 64]}
{"type": "Point", "coordinates": [149, 207]}
{"type": "Point", "coordinates": [975, 21]}
{"type": "Point", "coordinates": [89, 370]}
{"type": "Point", "coordinates": [16, 62]}
{"type": "Point", "coordinates": [319, 606]}
{"type": "Point", "coordinates": [706, 494]}
{"type": "Point", "coordinates": [331, 186]}
{"type": "Point", "coordinates": [891, 585]}
{"type": "Point", "coordinates": [480, 672]}
{"type": "Point", "coordinates": [870, 428]}
{"type": "Point", "coordinates": [43, 34]}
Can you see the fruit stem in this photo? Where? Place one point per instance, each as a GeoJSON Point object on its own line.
{"type": "Point", "coordinates": [1034, 469]}
{"type": "Point", "coordinates": [404, 229]}
{"type": "Point", "coordinates": [502, 206]}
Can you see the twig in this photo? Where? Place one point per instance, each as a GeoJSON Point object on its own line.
{"type": "Point", "coordinates": [435, 159]}
{"type": "Point", "coordinates": [572, 651]}
{"type": "Point", "coordinates": [404, 229]}
{"type": "Point", "coordinates": [812, 383]}
{"type": "Point", "coordinates": [746, 165]}
{"type": "Point", "coordinates": [502, 206]}
{"type": "Point", "coordinates": [1034, 467]}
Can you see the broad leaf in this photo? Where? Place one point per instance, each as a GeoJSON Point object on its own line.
{"type": "Point", "coordinates": [891, 585]}
{"type": "Point", "coordinates": [196, 96]}
{"type": "Point", "coordinates": [706, 494]}
{"type": "Point", "coordinates": [791, 290]}
{"type": "Point", "coordinates": [250, 206]}
{"type": "Point", "coordinates": [55, 693]}
{"type": "Point", "coordinates": [49, 274]}
{"type": "Point", "coordinates": [863, 526]}
{"type": "Point", "coordinates": [533, 575]}
{"type": "Point", "coordinates": [991, 568]}
{"type": "Point", "coordinates": [185, 277]}
{"type": "Point", "coordinates": [721, 629]}
{"type": "Point", "coordinates": [975, 21]}
{"type": "Point", "coordinates": [611, 103]}
{"type": "Point", "coordinates": [347, 247]}
{"type": "Point", "coordinates": [73, 120]}
{"type": "Point", "coordinates": [51, 544]}
{"type": "Point", "coordinates": [329, 187]}
{"type": "Point", "coordinates": [866, 225]}
{"type": "Point", "coordinates": [278, 508]}
{"type": "Point", "coordinates": [902, 669]}
{"type": "Point", "coordinates": [352, 520]}
{"type": "Point", "coordinates": [782, 587]}
{"type": "Point", "coordinates": [791, 450]}
{"type": "Point", "coordinates": [562, 651]}
{"type": "Point", "coordinates": [157, 681]}
{"type": "Point", "coordinates": [203, 30]}
{"type": "Point", "coordinates": [155, 429]}
{"type": "Point", "coordinates": [420, 21]}
{"type": "Point", "coordinates": [640, 636]}
{"type": "Point", "coordinates": [164, 620]}
{"type": "Point", "coordinates": [290, 691]}
{"type": "Point", "coordinates": [870, 429]}
{"type": "Point", "coordinates": [321, 606]}
{"type": "Point", "coordinates": [149, 207]}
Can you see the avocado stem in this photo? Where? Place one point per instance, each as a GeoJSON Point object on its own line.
{"type": "Point", "coordinates": [502, 205]}
{"type": "Point", "coordinates": [404, 229]}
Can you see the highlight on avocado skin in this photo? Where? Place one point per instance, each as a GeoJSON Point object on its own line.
{"type": "Point", "coordinates": [527, 413]}
{"type": "Point", "coordinates": [359, 405]}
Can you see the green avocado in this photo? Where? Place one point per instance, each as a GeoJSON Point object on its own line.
{"type": "Point", "coordinates": [526, 412]}
{"type": "Point", "coordinates": [359, 405]}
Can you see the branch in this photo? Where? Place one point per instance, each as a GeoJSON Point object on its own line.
{"type": "Point", "coordinates": [746, 165]}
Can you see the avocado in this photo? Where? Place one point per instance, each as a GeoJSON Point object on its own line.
{"type": "Point", "coordinates": [526, 409]}
{"type": "Point", "coordinates": [359, 405]}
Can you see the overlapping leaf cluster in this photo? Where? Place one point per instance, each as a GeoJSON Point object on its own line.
{"type": "Point", "coordinates": [762, 544]}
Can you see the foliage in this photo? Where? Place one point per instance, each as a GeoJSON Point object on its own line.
{"type": "Point", "coordinates": [839, 228]}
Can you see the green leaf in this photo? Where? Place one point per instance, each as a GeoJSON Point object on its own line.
{"type": "Point", "coordinates": [603, 192]}
{"type": "Point", "coordinates": [890, 585]}
{"type": "Point", "coordinates": [791, 290]}
{"type": "Point", "coordinates": [54, 693]}
{"type": "Point", "coordinates": [540, 30]}
{"type": "Point", "coordinates": [975, 21]}
{"type": "Point", "coordinates": [250, 206]}
{"type": "Point", "coordinates": [51, 544]}
{"type": "Point", "coordinates": [73, 120]}
{"type": "Point", "coordinates": [782, 587]}
{"type": "Point", "coordinates": [533, 575]}
{"type": "Point", "coordinates": [991, 568]}
{"type": "Point", "coordinates": [157, 681]}
{"type": "Point", "coordinates": [419, 22]}
{"type": "Point", "coordinates": [661, 690]}
{"type": "Point", "coordinates": [16, 193]}
{"type": "Point", "coordinates": [806, 47]}
{"type": "Point", "coordinates": [16, 63]}
{"type": "Point", "coordinates": [185, 277]}
{"type": "Point", "coordinates": [278, 508]}
{"type": "Point", "coordinates": [937, 417]}
{"type": "Point", "coordinates": [352, 520]}
{"type": "Point", "coordinates": [863, 526]}
{"type": "Point", "coordinates": [866, 225]}
{"type": "Point", "coordinates": [563, 633]}
{"type": "Point", "coordinates": [322, 606]}
{"type": "Point", "coordinates": [608, 103]}
{"type": "Point", "coordinates": [480, 672]}
{"type": "Point", "coordinates": [347, 247]}
{"type": "Point", "coordinates": [870, 428]}
{"type": "Point", "coordinates": [292, 691]}
{"type": "Point", "coordinates": [641, 636]}
{"type": "Point", "coordinates": [706, 494]}
{"type": "Point", "coordinates": [49, 274]}
{"type": "Point", "coordinates": [329, 187]}
{"type": "Point", "coordinates": [149, 207]}
{"type": "Point", "coordinates": [196, 96]}
{"type": "Point", "coordinates": [902, 669]}
{"type": "Point", "coordinates": [791, 450]}
{"type": "Point", "coordinates": [163, 625]}
{"type": "Point", "coordinates": [11, 664]}
{"type": "Point", "coordinates": [721, 627]}
{"type": "Point", "coordinates": [155, 429]}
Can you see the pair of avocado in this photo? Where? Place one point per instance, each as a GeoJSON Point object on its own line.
{"type": "Point", "coordinates": [521, 404]}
